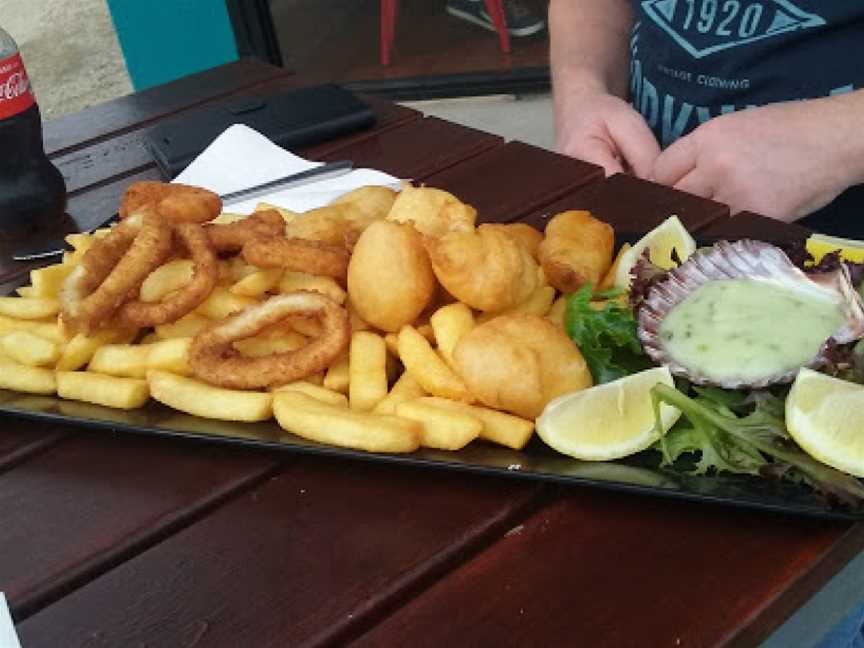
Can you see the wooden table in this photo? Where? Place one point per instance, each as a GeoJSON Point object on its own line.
{"type": "Point", "coordinates": [115, 540]}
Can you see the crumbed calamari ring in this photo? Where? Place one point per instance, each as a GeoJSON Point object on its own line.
{"type": "Point", "coordinates": [231, 237]}
{"type": "Point", "coordinates": [178, 203]}
{"type": "Point", "coordinates": [112, 269]}
{"type": "Point", "coordinates": [299, 255]}
{"type": "Point", "coordinates": [214, 359]}
{"type": "Point", "coordinates": [141, 314]}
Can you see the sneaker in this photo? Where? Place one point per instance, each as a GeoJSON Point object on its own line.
{"type": "Point", "coordinates": [521, 20]}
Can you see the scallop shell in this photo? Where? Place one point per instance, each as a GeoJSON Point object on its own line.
{"type": "Point", "coordinates": [744, 259]}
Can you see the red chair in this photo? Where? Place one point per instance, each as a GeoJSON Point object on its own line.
{"type": "Point", "coordinates": [390, 10]}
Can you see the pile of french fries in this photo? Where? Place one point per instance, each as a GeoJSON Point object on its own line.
{"type": "Point", "coordinates": [349, 405]}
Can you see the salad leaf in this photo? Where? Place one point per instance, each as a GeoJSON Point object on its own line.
{"type": "Point", "coordinates": [606, 336]}
{"type": "Point", "coordinates": [762, 433]}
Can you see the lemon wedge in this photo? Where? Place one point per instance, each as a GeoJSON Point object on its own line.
{"type": "Point", "coordinates": [825, 416]}
{"type": "Point", "coordinates": [607, 421]}
{"type": "Point", "coordinates": [821, 244]}
{"type": "Point", "coordinates": [667, 236]}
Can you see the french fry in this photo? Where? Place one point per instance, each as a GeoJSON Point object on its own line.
{"type": "Point", "coordinates": [335, 425]}
{"type": "Point", "coordinates": [189, 325]}
{"type": "Point", "coordinates": [315, 391]}
{"type": "Point", "coordinates": [337, 376]}
{"type": "Point", "coordinates": [134, 360]}
{"type": "Point", "coordinates": [46, 282]}
{"type": "Point", "coordinates": [31, 380]}
{"type": "Point", "coordinates": [48, 330]}
{"type": "Point", "coordinates": [121, 360]}
{"type": "Point", "coordinates": [309, 327]}
{"type": "Point", "coordinates": [80, 349]}
{"type": "Point", "coordinates": [443, 429]}
{"type": "Point", "coordinates": [170, 355]}
{"type": "Point", "coordinates": [29, 308]}
{"type": "Point", "coordinates": [292, 281]}
{"type": "Point", "coordinates": [80, 242]}
{"type": "Point", "coordinates": [405, 389]}
{"type": "Point", "coordinates": [367, 371]}
{"type": "Point", "coordinates": [221, 303]}
{"type": "Point", "coordinates": [257, 283]}
{"type": "Point", "coordinates": [99, 389]}
{"type": "Point", "coordinates": [428, 368]}
{"type": "Point", "coordinates": [498, 427]}
{"type": "Point", "coordinates": [200, 399]}
{"type": "Point", "coordinates": [234, 269]}
{"type": "Point", "coordinates": [166, 279]}
{"type": "Point", "coordinates": [29, 349]}
{"type": "Point", "coordinates": [449, 324]}
{"type": "Point", "coordinates": [26, 291]}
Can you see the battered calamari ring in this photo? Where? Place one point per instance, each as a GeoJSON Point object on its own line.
{"type": "Point", "coordinates": [112, 269]}
{"type": "Point", "coordinates": [231, 237]}
{"type": "Point", "coordinates": [177, 203]}
{"type": "Point", "coordinates": [299, 255]}
{"type": "Point", "coordinates": [205, 275]}
{"type": "Point", "coordinates": [214, 359]}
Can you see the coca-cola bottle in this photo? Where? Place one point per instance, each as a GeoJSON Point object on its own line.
{"type": "Point", "coordinates": [32, 191]}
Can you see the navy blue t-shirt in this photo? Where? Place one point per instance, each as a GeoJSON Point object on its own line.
{"type": "Point", "coordinates": [692, 60]}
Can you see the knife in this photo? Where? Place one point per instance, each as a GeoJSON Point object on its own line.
{"type": "Point", "coordinates": [326, 171]}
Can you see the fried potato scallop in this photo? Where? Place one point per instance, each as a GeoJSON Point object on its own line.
{"type": "Point", "coordinates": [486, 269]}
{"type": "Point", "coordinates": [390, 279]}
{"type": "Point", "coordinates": [518, 363]}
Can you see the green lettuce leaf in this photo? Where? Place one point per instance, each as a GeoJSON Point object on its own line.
{"type": "Point", "coordinates": [606, 337]}
{"type": "Point", "coordinates": [734, 443]}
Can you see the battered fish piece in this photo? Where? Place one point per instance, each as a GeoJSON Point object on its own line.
{"type": "Point", "coordinates": [390, 278]}
{"type": "Point", "coordinates": [576, 250]}
{"type": "Point", "coordinates": [522, 233]}
{"type": "Point", "coordinates": [518, 363]}
{"type": "Point", "coordinates": [433, 212]}
{"type": "Point", "coordinates": [345, 219]}
{"type": "Point", "coordinates": [485, 268]}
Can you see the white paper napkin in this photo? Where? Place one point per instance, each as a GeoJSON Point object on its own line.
{"type": "Point", "coordinates": [8, 637]}
{"type": "Point", "coordinates": [241, 157]}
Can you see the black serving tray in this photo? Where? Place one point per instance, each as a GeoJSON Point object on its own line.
{"type": "Point", "coordinates": [638, 474]}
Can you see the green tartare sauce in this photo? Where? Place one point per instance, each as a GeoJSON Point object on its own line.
{"type": "Point", "coordinates": [746, 329]}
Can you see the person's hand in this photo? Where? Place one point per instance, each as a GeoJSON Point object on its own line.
{"type": "Point", "coordinates": [606, 130]}
{"type": "Point", "coordinates": [784, 160]}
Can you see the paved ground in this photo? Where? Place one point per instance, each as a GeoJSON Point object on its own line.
{"type": "Point", "coordinates": [70, 50]}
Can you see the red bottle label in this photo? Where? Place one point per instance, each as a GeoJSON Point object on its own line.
{"type": "Point", "coordinates": [15, 93]}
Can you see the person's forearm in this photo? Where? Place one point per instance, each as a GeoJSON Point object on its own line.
{"type": "Point", "coordinates": [589, 46]}
{"type": "Point", "coordinates": [847, 115]}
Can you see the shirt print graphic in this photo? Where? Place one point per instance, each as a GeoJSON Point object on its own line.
{"type": "Point", "coordinates": [703, 27]}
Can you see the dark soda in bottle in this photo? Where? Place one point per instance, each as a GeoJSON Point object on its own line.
{"type": "Point", "coordinates": [32, 191]}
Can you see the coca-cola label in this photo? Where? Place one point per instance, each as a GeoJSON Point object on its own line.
{"type": "Point", "coordinates": [15, 92]}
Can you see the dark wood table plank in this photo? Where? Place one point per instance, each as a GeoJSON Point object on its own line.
{"type": "Point", "coordinates": [142, 108]}
{"type": "Point", "coordinates": [127, 153]}
{"type": "Point", "coordinates": [417, 149]}
{"type": "Point", "coordinates": [755, 226]}
{"type": "Point", "coordinates": [604, 569]}
{"type": "Point", "coordinates": [95, 499]}
{"type": "Point", "coordinates": [633, 206]}
{"type": "Point", "coordinates": [510, 181]}
{"type": "Point", "coordinates": [23, 440]}
{"type": "Point", "coordinates": [308, 558]}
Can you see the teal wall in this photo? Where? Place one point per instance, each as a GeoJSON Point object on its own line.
{"type": "Point", "coordinates": [163, 40]}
